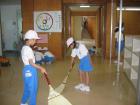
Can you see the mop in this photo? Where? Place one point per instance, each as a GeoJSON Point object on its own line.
{"type": "Point", "coordinates": [55, 98]}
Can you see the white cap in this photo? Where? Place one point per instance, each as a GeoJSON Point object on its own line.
{"type": "Point", "coordinates": [69, 41]}
{"type": "Point", "coordinates": [31, 34]}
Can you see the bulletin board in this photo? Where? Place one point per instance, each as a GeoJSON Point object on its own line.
{"type": "Point", "coordinates": [43, 38]}
{"type": "Point", "coordinates": [48, 21]}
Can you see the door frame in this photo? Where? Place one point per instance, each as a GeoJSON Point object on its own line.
{"type": "Point", "coordinates": [67, 24]}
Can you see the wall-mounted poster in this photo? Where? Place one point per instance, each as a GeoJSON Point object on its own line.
{"type": "Point", "coordinates": [48, 21]}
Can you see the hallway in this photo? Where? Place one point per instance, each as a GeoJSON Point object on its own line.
{"type": "Point", "coordinates": [106, 88]}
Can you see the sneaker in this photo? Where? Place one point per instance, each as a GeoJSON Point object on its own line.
{"type": "Point", "coordinates": [23, 104]}
{"type": "Point", "coordinates": [85, 89]}
{"type": "Point", "coordinates": [79, 86]}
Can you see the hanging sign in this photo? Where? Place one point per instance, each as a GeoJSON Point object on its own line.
{"type": "Point", "coordinates": [47, 21]}
{"type": "Point", "coordinates": [43, 38]}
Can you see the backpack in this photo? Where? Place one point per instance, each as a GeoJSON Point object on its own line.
{"type": "Point", "coordinates": [4, 62]}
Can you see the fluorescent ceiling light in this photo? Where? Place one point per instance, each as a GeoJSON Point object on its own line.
{"type": "Point", "coordinates": [129, 9]}
{"type": "Point", "coordinates": [84, 6]}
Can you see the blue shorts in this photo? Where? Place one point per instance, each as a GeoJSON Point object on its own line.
{"type": "Point", "coordinates": [48, 59]}
{"type": "Point", "coordinates": [39, 62]}
{"type": "Point", "coordinates": [121, 47]}
{"type": "Point", "coordinates": [85, 64]}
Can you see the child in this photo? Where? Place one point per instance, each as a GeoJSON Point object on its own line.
{"type": "Point", "coordinates": [38, 55]}
{"type": "Point", "coordinates": [117, 41]}
{"type": "Point", "coordinates": [85, 65]}
{"type": "Point", "coordinates": [30, 69]}
{"type": "Point", "coordinates": [43, 57]}
{"type": "Point", "coordinates": [92, 50]}
{"type": "Point", "coordinates": [48, 57]}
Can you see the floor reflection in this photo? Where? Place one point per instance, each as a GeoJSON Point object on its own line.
{"type": "Point", "coordinates": [107, 86]}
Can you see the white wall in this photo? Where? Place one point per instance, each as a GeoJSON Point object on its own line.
{"type": "Point", "coordinates": [9, 25]}
{"type": "Point", "coordinates": [77, 27]}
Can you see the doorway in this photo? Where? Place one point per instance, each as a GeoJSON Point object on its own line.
{"type": "Point", "coordinates": [86, 25]}
{"type": "Point", "coordinates": [11, 28]}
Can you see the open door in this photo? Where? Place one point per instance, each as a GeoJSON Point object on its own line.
{"type": "Point", "coordinates": [86, 25]}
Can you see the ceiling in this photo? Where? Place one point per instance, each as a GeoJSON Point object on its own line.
{"type": "Point", "coordinates": [78, 8]}
{"type": "Point", "coordinates": [130, 3]}
{"type": "Point", "coordinates": [10, 2]}
{"type": "Point", "coordinates": [125, 2]}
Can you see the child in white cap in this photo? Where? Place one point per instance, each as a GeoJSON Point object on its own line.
{"type": "Point", "coordinates": [85, 65]}
{"type": "Point", "coordinates": [30, 69]}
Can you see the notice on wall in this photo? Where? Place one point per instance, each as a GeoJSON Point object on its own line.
{"type": "Point", "coordinates": [48, 21]}
{"type": "Point", "coordinates": [43, 38]}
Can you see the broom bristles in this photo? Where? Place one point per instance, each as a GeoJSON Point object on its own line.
{"type": "Point", "coordinates": [56, 98]}
{"type": "Point", "coordinates": [60, 100]}
{"type": "Point", "coordinates": [61, 87]}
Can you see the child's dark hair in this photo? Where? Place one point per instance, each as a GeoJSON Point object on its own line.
{"type": "Point", "coordinates": [116, 29]}
{"type": "Point", "coordinates": [94, 47]}
{"type": "Point", "coordinates": [25, 41]}
{"type": "Point", "coordinates": [74, 42]}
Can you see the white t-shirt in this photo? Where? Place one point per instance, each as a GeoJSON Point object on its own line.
{"type": "Point", "coordinates": [117, 33]}
{"type": "Point", "coordinates": [38, 55]}
{"type": "Point", "coordinates": [26, 54]}
{"type": "Point", "coordinates": [81, 51]}
{"type": "Point", "coordinates": [117, 36]}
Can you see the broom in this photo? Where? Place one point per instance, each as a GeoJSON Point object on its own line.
{"type": "Point", "coordinates": [54, 97]}
{"type": "Point", "coordinates": [61, 87]}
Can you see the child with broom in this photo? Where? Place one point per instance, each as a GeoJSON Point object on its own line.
{"type": "Point", "coordinates": [30, 69]}
{"type": "Point", "coordinates": [85, 65]}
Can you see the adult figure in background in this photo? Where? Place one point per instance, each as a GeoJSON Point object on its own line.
{"type": "Point", "coordinates": [121, 42]}
{"type": "Point", "coordinates": [84, 32]}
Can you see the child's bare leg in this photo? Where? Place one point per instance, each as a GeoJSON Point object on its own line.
{"type": "Point", "coordinates": [81, 76]}
{"type": "Point", "coordinates": [87, 78]}
{"type": "Point", "coordinates": [84, 77]}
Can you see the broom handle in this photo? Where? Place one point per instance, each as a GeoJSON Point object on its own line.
{"type": "Point", "coordinates": [46, 76]}
{"type": "Point", "coordinates": [67, 75]}
{"type": "Point", "coordinates": [48, 81]}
